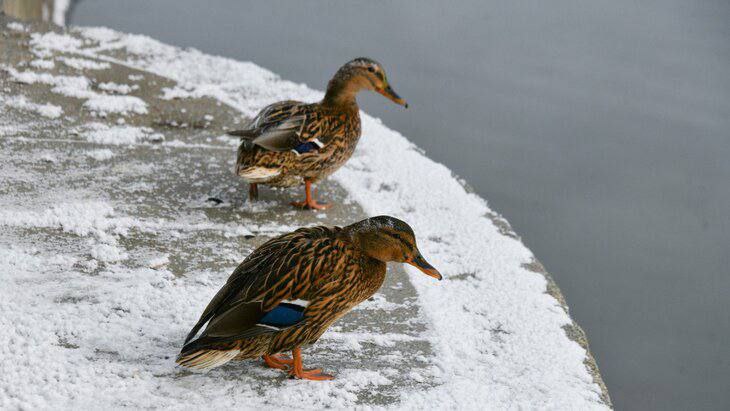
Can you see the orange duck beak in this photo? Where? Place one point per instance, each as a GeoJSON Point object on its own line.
{"type": "Point", "coordinates": [423, 265]}
{"type": "Point", "coordinates": [391, 95]}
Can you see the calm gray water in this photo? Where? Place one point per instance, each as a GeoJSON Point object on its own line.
{"type": "Point", "coordinates": [601, 131]}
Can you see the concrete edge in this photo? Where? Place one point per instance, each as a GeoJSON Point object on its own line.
{"type": "Point", "coordinates": [573, 330]}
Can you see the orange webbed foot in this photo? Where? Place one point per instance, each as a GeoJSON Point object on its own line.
{"type": "Point", "coordinates": [309, 202]}
{"type": "Point", "coordinates": [311, 205]}
{"type": "Point", "coordinates": [278, 362]}
{"type": "Point", "coordinates": [298, 371]}
{"type": "Point", "coordinates": [313, 375]}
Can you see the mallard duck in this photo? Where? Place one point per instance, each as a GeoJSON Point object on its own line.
{"type": "Point", "coordinates": [289, 143]}
{"type": "Point", "coordinates": [291, 289]}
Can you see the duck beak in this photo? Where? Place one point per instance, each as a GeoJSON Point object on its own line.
{"type": "Point", "coordinates": [391, 95]}
{"type": "Point", "coordinates": [423, 265]}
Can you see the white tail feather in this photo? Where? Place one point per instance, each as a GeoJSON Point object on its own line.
{"type": "Point", "coordinates": [208, 359]}
{"type": "Point", "coordinates": [258, 174]}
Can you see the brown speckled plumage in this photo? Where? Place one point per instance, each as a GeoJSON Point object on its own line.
{"type": "Point", "coordinates": [290, 142]}
{"type": "Point", "coordinates": [338, 128]}
{"type": "Point", "coordinates": [332, 269]}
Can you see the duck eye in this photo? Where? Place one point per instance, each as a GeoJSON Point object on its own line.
{"type": "Point", "coordinates": [371, 69]}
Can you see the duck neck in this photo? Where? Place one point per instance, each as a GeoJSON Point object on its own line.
{"type": "Point", "coordinates": [341, 93]}
{"type": "Point", "coordinates": [373, 275]}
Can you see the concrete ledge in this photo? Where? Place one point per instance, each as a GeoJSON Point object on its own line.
{"type": "Point", "coordinates": [125, 217]}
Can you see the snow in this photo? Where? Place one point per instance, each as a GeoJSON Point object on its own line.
{"type": "Point", "coordinates": [497, 336]}
{"type": "Point", "coordinates": [55, 41]}
{"type": "Point", "coordinates": [103, 134]}
{"type": "Point", "coordinates": [105, 104]}
{"type": "Point", "coordinates": [79, 218]}
{"type": "Point", "coordinates": [15, 26]}
{"type": "Point", "coordinates": [80, 87]}
{"type": "Point", "coordinates": [354, 340]}
{"type": "Point", "coordinates": [118, 88]}
{"type": "Point", "coordinates": [43, 64]}
{"type": "Point", "coordinates": [532, 347]}
{"type": "Point", "coordinates": [100, 154]}
{"type": "Point", "coordinates": [84, 64]}
{"type": "Point", "coordinates": [45, 110]}
{"type": "Point", "coordinates": [158, 262]}
{"type": "Point", "coordinates": [72, 86]}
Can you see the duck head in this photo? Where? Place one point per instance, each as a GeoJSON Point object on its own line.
{"type": "Point", "coordinates": [389, 239]}
{"type": "Point", "coordinates": [361, 73]}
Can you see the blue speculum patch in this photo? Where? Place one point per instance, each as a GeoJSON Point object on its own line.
{"type": "Point", "coordinates": [306, 147]}
{"type": "Point", "coordinates": [284, 315]}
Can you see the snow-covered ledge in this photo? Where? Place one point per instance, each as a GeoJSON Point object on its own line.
{"type": "Point", "coordinates": [499, 329]}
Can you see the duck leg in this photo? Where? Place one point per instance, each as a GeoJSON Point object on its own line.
{"type": "Point", "coordinates": [309, 202]}
{"type": "Point", "coordinates": [278, 361]}
{"type": "Point", "coordinates": [253, 192]}
{"type": "Point", "coordinates": [299, 372]}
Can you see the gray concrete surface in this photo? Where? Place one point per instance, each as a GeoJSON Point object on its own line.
{"type": "Point", "coordinates": [155, 180]}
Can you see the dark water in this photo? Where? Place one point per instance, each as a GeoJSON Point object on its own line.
{"type": "Point", "coordinates": [601, 131]}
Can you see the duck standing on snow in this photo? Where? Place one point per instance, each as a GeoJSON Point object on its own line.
{"type": "Point", "coordinates": [289, 143]}
{"type": "Point", "coordinates": [291, 289]}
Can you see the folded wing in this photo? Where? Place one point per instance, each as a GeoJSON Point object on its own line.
{"type": "Point", "coordinates": [263, 294]}
{"type": "Point", "coordinates": [287, 125]}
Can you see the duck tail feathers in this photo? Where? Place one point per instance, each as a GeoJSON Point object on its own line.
{"type": "Point", "coordinates": [206, 358]}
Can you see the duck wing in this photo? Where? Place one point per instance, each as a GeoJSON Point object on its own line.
{"type": "Point", "coordinates": [261, 296]}
{"type": "Point", "coordinates": [286, 125]}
